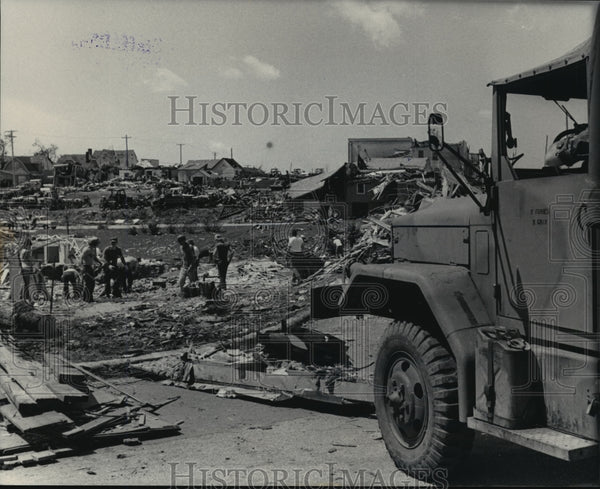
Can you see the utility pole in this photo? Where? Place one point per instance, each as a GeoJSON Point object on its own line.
{"type": "Point", "coordinates": [10, 135]}
{"type": "Point", "coordinates": [126, 138]}
{"type": "Point", "coordinates": [181, 145]}
{"type": "Point", "coordinates": [214, 155]}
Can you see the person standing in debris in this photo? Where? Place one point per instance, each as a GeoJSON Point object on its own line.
{"type": "Point", "coordinates": [28, 270]}
{"type": "Point", "coordinates": [338, 247]}
{"type": "Point", "coordinates": [295, 251]}
{"type": "Point", "coordinates": [222, 256]}
{"type": "Point", "coordinates": [188, 259]}
{"type": "Point", "coordinates": [112, 255]}
{"type": "Point", "coordinates": [128, 272]}
{"type": "Point", "coordinates": [88, 259]}
{"type": "Point", "coordinates": [194, 269]}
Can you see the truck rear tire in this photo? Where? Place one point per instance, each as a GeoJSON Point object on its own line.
{"type": "Point", "coordinates": [416, 400]}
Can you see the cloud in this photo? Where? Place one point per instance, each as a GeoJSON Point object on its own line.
{"type": "Point", "coordinates": [260, 69]}
{"type": "Point", "coordinates": [232, 73]}
{"type": "Point", "coordinates": [164, 80]}
{"type": "Point", "coordinates": [250, 66]}
{"type": "Point", "coordinates": [379, 20]}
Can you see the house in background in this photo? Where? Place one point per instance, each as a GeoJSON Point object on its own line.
{"type": "Point", "coordinates": [397, 153]}
{"type": "Point", "coordinates": [78, 159]}
{"type": "Point", "coordinates": [6, 179]}
{"type": "Point", "coordinates": [328, 186]}
{"type": "Point", "coordinates": [148, 168]}
{"type": "Point", "coordinates": [18, 171]}
{"type": "Point", "coordinates": [120, 159]}
{"type": "Point", "coordinates": [367, 148]}
{"type": "Point", "coordinates": [169, 171]}
{"type": "Point", "coordinates": [27, 168]}
{"type": "Point", "coordinates": [224, 168]}
{"type": "Point", "coordinates": [196, 172]}
{"type": "Point", "coordinates": [397, 163]}
{"type": "Point", "coordinates": [149, 162]}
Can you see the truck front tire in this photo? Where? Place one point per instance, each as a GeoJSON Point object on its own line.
{"type": "Point", "coordinates": [416, 400]}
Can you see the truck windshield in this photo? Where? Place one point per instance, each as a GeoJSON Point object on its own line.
{"type": "Point", "coordinates": [551, 136]}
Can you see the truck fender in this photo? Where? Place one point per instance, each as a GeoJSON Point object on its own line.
{"type": "Point", "coordinates": [454, 307]}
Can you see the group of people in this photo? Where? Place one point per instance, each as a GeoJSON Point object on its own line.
{"type": "Point", "coordinates": [118, 273]}
{"type": "Point", "coordinates": [222, 253]}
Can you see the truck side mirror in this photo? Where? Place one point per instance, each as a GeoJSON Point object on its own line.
{"type": "Point", "coordinates": [510, 141]}
{"type": "Point", "coordinates": [435, 131]}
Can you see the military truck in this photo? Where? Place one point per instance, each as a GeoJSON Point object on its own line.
{"type": "Point", "coordinates": [495, 296]}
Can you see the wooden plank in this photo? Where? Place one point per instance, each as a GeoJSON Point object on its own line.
{"type": "Point", "coordinates": [29, 376]}
{"type": "Point", "coordinates": [17, 396]}
{"type": "Point", "coordinates": [7, 458]}
{"type": "Point", "coordinates": [38, 391]}
{"type": "Point", "coordinates": [26, 424]}
{"type": "Point", "coordinates": [11, 442]}
{"type": "Point", "coordinates": [61, 370]}
{"type": "Point", "coordinates": [27, 459]}
{"type": "Point", "coordinates": [44, 456]}
{"type": "Point", "coordinates": [545, 440]}
{"type": "Point", "coordinates": [114, 387]}
{"type": "Point", "coordinates": [100, 397]}
{"type": "Point", "coordinates": [67, 393]}
{"type": "Point", "coordinates": [151, 425]}
{"type": "Point", "coordinates": [109, 419]}
{"type": "Point", "coordinates": [121, 362]}
{"type": "Point", "coordinates": [384, 225]}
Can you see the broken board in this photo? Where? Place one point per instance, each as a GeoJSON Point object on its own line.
{"type": "Point", "coordinates": [27, 424]}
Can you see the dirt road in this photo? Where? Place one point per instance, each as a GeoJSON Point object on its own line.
{"type": "Point", "coordinates": [234, 441]}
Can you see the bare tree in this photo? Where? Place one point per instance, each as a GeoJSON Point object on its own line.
{"type": "Point", "coordinates": [48, 151]}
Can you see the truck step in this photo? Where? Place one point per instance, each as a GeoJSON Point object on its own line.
{"type": "Point", "coordinates": [544, 440]}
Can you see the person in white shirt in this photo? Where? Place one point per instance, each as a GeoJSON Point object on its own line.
{"type": "Point", "coordinates": [295, 249]}
{"type": "Point", "coordinates": [295, 243]}
{"type": "Point", "coordinates": [338, 246]}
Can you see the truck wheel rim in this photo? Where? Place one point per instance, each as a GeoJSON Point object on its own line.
{"type": "Point", "coordinates": [406, 400]}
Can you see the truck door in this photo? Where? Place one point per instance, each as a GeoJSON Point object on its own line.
{"type": "Point", "coordinates": [544, 252]}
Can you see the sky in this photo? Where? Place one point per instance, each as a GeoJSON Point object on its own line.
{"type": "Point", "coordinates": [81, 74]}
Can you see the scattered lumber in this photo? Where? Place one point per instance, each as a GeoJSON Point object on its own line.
{"type": "Point", "coordinates": [104, 421]}
{"type": "Point", "coordinates": [47, 406]}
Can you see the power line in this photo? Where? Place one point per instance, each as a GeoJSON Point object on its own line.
{"type": "Point", "coordinates": [11, 135]}
{"type": "Point", "coordinates": [181, 145]}
{"type": "Point", "coordinates": [126, 138]}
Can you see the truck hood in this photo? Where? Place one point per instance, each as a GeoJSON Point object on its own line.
{"type": "Point", "coordinates": [460, 211]}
